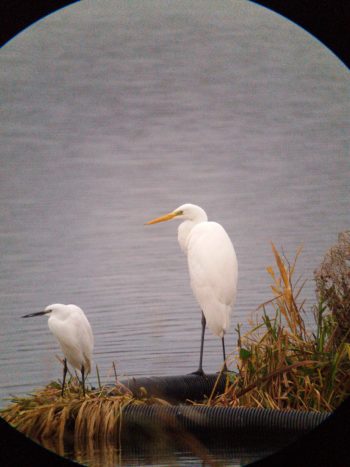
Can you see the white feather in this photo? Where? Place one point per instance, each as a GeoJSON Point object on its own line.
{"type": "Point", "coordinates": [71, 328]}
{"type": "Point", "coordinates": [213, 272]}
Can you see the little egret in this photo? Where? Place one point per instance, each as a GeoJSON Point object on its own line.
{"type": "Point", "coordinates": [71, 328]}
{"type": "Point", "coordinates": [213, 268]}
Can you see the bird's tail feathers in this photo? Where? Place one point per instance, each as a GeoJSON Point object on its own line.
{"type": "Point", "coordinates": [218, 322]}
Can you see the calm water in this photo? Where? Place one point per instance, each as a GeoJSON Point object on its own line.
{"type": "Point", "coordinates": [116, 112]}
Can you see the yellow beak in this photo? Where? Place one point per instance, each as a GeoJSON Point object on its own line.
{"type": "Point", "coordinates": [164, 218]}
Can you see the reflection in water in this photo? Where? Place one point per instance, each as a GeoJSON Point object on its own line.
{"type": "Point", "coordinates": [167, 449]}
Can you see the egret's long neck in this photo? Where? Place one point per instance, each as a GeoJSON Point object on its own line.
{"type": "Point", "coordinates": [184, 229]}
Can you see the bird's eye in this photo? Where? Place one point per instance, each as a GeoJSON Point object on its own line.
{"type": "Point", "coordinates": [179, 213]}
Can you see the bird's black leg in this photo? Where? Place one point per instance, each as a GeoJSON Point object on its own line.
{"type": "Point", "coordinates": [64, 375]}
{"type": "Point", "coordinates": [224, 353]}
{"type": "Point", "coordinates": [83, 378]}
{"type": "Point", "coordinates": [200, 371]}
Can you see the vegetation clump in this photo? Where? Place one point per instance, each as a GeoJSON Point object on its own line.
{"type": "Point", "coordinates": [333, 285]}
{"type": "Point", "coordinates": [46, 414]}
{"type": "Point", "coordinates": [282, 365]}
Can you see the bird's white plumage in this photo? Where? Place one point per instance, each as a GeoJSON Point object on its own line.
{"type": "Point", "coordinates": [71, 328]}
{"type": "Point", "coordinates": [212, 264]}
{"type": "Point", "coordinates": [213, 271]}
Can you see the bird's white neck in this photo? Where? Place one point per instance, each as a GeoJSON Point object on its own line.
{"type": "Point", "coordinates": [184, 229]}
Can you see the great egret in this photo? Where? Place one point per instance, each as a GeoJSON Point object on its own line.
{"type": "Point", "coordinates": [72, 329]}
{"type": "Point", "coordinates": [213, 268]}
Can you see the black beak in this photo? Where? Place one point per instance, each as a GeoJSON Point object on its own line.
{"type": "Point", "coordinates": [39, 313]}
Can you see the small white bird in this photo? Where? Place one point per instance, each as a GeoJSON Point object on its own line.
{"type": "Point", "coordinates": [213, 268]}
{"type": "Point", "coordinates": [72, 329]}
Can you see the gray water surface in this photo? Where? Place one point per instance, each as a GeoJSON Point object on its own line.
{"type": "Point", "coordinates": [116, 112]}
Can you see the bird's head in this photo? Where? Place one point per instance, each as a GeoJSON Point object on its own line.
{"type": "Point", "coordinates": [54, 309]}
{"type": "Point", "coordinates": [186, 211]}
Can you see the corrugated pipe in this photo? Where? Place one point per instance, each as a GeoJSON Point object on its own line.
{"type": "Point", "coordinates": [205, 419]}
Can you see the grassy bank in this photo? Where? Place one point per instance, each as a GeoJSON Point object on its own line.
{"type": "Point", "coordinates": [282, 365]}
{"type": "Point", "coordinates": [46, 415]}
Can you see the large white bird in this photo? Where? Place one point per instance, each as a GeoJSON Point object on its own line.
{"type": "Point", "coordinates": [213, 268]}
{"type": "Point", "coordinates": [72, 329]}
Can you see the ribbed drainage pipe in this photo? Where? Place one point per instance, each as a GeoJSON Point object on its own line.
{"type": "Point", "coordinates": [205, 419]}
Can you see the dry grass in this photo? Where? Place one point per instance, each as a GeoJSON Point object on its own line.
{"type": "Point", "coordinates": [45, 415]}
{"type": "Point", "coordinates": [280, 364]}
